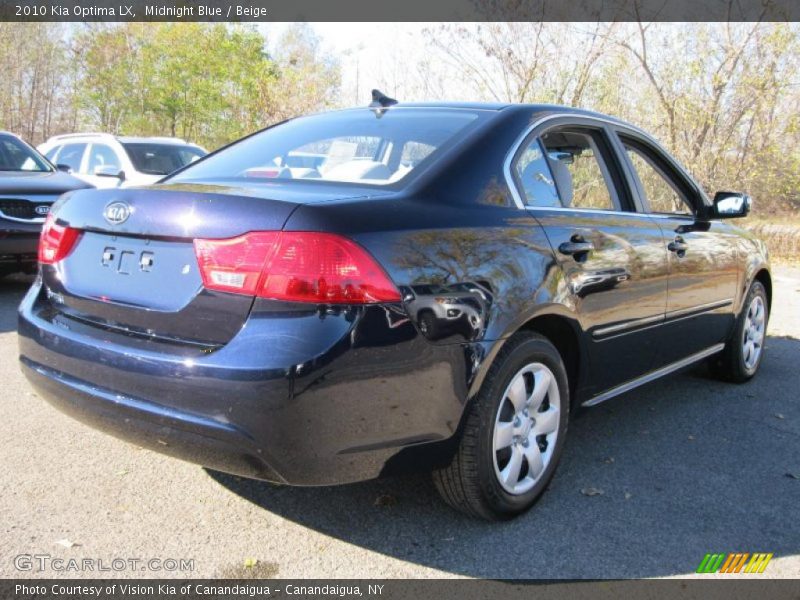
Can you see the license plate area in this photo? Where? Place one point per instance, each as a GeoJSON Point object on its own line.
{"type": "Point", "coordinates": [126, 262]}
{"type": "Point", "coordinates": [147, 273]}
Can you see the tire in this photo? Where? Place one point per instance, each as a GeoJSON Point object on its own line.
{"type": "Point", "coordinates": [428, 325]}
{"type": "Point", "coordinates": [734, 363]}
{"type": "Point", "coordinates": [474, 481]}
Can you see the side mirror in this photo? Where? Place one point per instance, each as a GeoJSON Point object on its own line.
{"type": "Point", "coordinates": [110, 172]}
{"type": "Point", "coordinates": [731, 205]}
{"type": "Point", "coordinates": [64, 168]}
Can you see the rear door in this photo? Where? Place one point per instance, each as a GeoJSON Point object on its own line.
{"type": "Point", "coordinates": [702, 254]}
{"type": "Point", "coordinates": [613, 258]}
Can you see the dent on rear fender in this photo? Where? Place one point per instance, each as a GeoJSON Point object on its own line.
{"type": "Point", "coordinates": [469, 284]}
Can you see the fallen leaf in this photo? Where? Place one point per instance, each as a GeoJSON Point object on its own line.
{"type": "Point", "coordinates": [122, 472]}
{"type": "Point", "coordinates": [66, 543]}
{"type": "Point", "coordinates": [249, 563]}
{"type": "Point", "coordinates": [793, 475]}
{"type": "Point", "coordinates": [385, 500]}
{"type": "Point", "coordinates": [590, 491]}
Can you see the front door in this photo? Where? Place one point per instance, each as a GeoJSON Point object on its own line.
{"type": "Point", "coordinates": [703, 265]}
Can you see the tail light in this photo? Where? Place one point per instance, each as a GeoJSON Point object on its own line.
{"type": "Point", "coordinates": [321, 268]}
{"type": "Point", "coordinates": [56, 241]}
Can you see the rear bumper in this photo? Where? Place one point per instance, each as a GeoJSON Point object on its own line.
{"type": "Point", "coordinates": [345, 397]}
{"type": "Point", "coordinates": [217, 445]}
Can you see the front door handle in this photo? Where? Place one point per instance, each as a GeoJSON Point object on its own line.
{"type": "Point", "coordinates": [576, 246]}
{"type": "Point", "coordinates": [678, 246]}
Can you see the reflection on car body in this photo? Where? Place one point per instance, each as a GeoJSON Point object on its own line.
{"type": "Point", "coordinates": [443, 310]}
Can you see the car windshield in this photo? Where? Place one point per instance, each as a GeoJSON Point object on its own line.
{"type": "Point", "coordinates": [375, 147]}
{"type": "Point", "coordinates": [161, 159]}
{"type": "Point", "coordinates": [15, 155]}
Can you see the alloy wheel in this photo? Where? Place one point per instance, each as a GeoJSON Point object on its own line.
{"type": "Point", "coordinates": [526, 428]}
{"type": "Point", "coordinates": [753, 334]}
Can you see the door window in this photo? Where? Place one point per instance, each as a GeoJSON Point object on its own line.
{"type": "Point", "coordinates": [102, 156]}
{"type": "Point", "coordinates": [51, 154]}
{"type": "Point", "coordinates": [71, 155]}
{"type": "Point", "coordinates": [661, 193]}
{"type": "Point", "coordinates": [535, 177]}
{"type": "Point", "coordinates": [579, 171]}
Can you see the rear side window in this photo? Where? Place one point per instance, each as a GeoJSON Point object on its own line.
{"type": "Point", "coordinates": [363, 146]}
{"type": "Point", "coordinates": [71, 155]}
{"type": "Point", "coordinates": [581, 175]}
{"type": "Point", "coordinates": [535, 177]}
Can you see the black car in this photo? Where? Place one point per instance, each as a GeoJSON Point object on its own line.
{"type": "Point", "coordinates": [254, 313]}
{"type": "Point", "coordinates": [29, 185]}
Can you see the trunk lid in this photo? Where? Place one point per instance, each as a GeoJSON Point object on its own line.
{"type": "Point", "coordinates": [134, 268]}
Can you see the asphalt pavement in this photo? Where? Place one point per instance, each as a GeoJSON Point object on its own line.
{"type": "Point", "coordinates": [649, 483]}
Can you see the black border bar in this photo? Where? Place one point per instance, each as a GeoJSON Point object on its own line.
{"type": "Point", "coordinates": [399, 10]}
{"type": "Point", "coordinates": [732, 587]}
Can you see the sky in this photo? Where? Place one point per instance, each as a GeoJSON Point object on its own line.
{"type": "Point", "coordinates": [371, 54]}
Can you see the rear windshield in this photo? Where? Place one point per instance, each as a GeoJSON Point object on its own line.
{"type": "Point", "coordinates": [17, 156]}
{"type": "Point", "coordinates": [357, 146]}
{"type": "Point", "coordinates": [161, 159]}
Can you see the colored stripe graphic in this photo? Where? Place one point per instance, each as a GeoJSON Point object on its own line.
{"type": "Point", "coordinates": [758, 563]}
{"type": "Point", "coordinates": [710, 563]}
{"type": "Point", "coordinates": [735, 562]}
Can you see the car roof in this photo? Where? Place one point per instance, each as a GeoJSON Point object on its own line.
{"type": "Point", "coordinates": [119, 138]}
{"type": "Point", "coordinates": [539, 109]}
{"type": "Point", "coordinates": [126, 139]}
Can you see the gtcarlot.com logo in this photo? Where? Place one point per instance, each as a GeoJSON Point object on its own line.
{"type": "Point", "coordinates": [735, 562]}
{"type": "Point", "coordinates": [45, 562]}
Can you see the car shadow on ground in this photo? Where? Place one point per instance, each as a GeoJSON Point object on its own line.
{"type": "Point", "coordinates": [12, 289]}
{"type": "Point", "coordinates": [679, 468]}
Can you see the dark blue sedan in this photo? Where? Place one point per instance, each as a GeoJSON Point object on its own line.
{"type": "Point", "coordinates": [357, 293]}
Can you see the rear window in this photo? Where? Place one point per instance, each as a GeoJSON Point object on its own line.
{"type": "Point", "coordinates": [357, 146]}
{"type": "Point", "coordinates": [161, 159]}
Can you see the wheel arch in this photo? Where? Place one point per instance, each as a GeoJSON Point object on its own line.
{"type": "Point", "coordinates": [564, 334]}
{"type": "Point", "coordinates": [560, 330]}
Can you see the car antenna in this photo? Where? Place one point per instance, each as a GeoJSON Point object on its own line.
{"type": "Point", "coordinates": [380, 102]}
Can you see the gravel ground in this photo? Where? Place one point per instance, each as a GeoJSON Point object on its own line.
{"type": "Point", "coordinates": [686, 466]}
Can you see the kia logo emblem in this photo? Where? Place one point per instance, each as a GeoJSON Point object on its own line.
{"type": "Point", "coordinates": [117, 212]}
{"type": "Point", "coordinates": [42, 210]}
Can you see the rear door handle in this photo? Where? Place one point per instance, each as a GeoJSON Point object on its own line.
{"type": "Point", "coordinates": [678, 246]}
{"type": "Point", "coordinates": [576, 246]}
